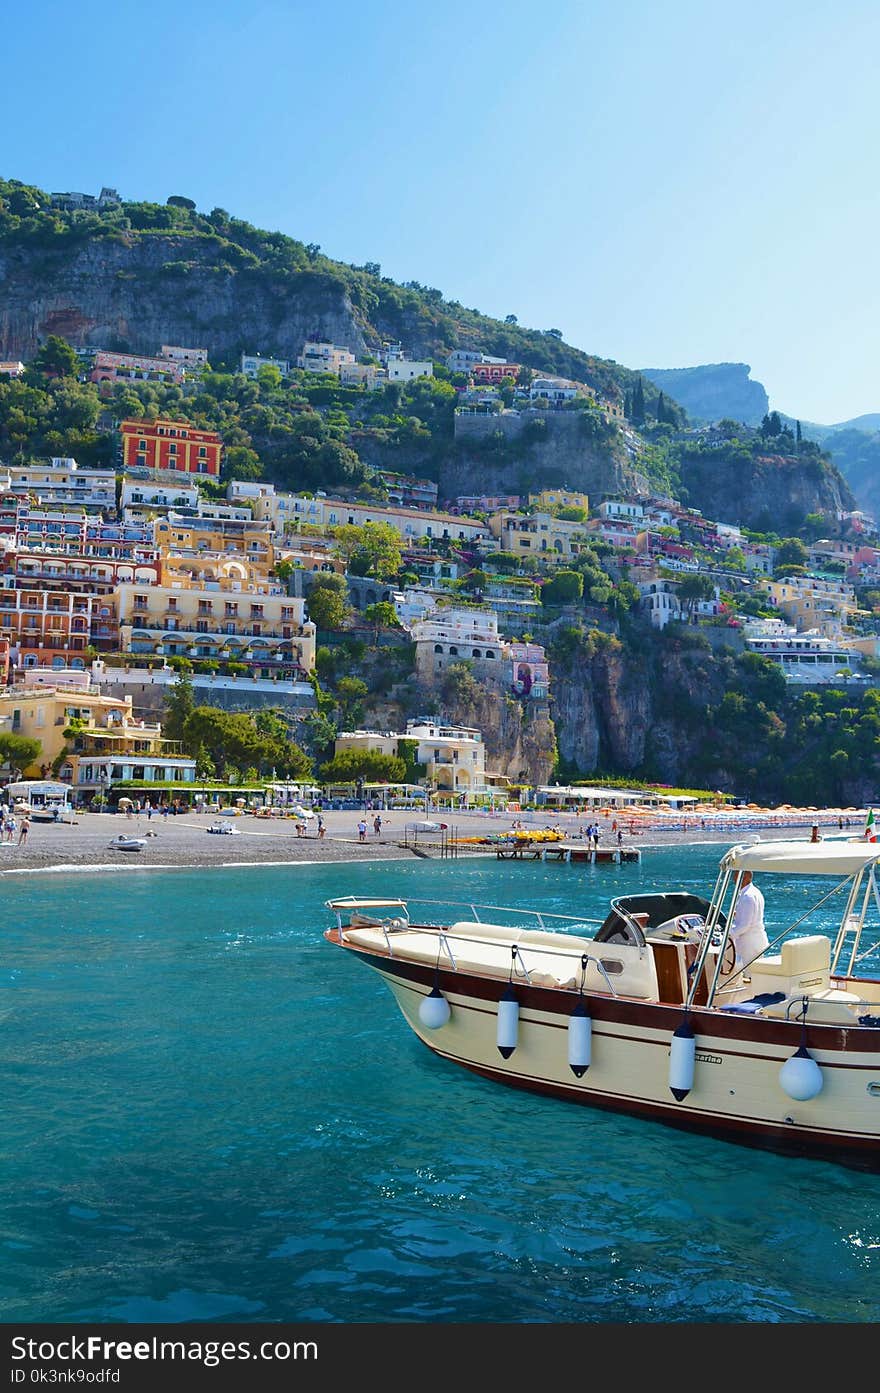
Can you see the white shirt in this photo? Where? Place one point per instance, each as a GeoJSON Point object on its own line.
{"type": "Point", "coordinates": [747, 930]}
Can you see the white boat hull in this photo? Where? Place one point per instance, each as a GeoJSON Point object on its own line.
{"type": "Point", "coordinates": [736, 1089]}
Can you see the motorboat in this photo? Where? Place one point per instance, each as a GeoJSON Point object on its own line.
{"type": "Point", "coordinates": [650, 1012]}
{"type": "Point", "coordinates": [223, 829]}
{"type": "Point", "coordinates": [123, 843]}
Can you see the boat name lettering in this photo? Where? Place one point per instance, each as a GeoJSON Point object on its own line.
{"type": "Point", "coordinates": [708, 1058]}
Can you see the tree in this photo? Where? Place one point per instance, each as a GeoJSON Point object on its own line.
{"type": "Point", "coordinates": [177, 200]}
{"type": "Point", "coordinates": [269, 377]}
{"type": "Point", "coordinates": [56, 358]}
{"type": "Point", "coordinates": [382, 615]}
{"type": "Point", "coordinates": [510, 319]}
{"type": "Point", "coordinates": [638, 403]}
{"type": "Point", "coordinates": [371, 550]}
{"type": "Point", "coordinates": [179, 706]}
{"type": "Point", "coordinates": [553, 333]}
{"type": "Point", "coordinates": [694, 588]}
{"type": "Point", "coordinates": [350, 765]}
{"type": "Point", "coordinates": [350, 693]}
{"type": "Point", "coordinates": [566, 588]}
{"type": "Point", "coordinates": [791, 552]}
{"type": "Point", "coordinates": [327, 602]}
{"type": "Point", "coordinates": [798, 433]}
{"type": "Point", "coordinates": [771, 425]}
{"type": "Point", "coordinates": [18, 751]}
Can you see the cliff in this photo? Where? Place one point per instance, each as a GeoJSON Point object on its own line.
{"type": "Point", "coordinates": [714, 391]}
{"type": "Point", "coordinates": [765, 491]}
{"type": "Point", "coordinates": [133, 294]}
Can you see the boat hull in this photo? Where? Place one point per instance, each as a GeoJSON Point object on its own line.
{"type": "Point", "coordinates": [736, 1092]}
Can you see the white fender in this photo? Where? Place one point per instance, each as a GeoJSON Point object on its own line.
{"type": "Point", "coordinates": [508, 1023]}
{"type": "Point", "coordinates": [580, 1040]}
{"type": "Point", "coordinates": [434, 1010]}
{"type": "Point", "coordinates": [682, 1052]}
{"type": "Point", "coordinates": [800, 1076]}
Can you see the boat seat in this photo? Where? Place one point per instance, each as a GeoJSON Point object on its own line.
{"type": "Point", "coordinates": [803, 965]}
{"type": "Point", "coordinates": [828, 1007]}
{"type": "Point", "coordinates": [798, 956]}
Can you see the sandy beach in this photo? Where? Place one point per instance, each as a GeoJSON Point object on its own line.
{"type": "Point", "coordinates": [184, 840]}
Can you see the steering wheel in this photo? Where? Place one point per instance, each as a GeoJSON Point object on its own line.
{"type": "Point", "coordinates": [728, 960]}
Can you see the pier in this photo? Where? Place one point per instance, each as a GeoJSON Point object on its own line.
{"type": "Point", "coordinates": [569, 851]}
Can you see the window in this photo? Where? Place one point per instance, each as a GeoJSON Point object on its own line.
{"type": "Point", "coordinates": [257, 611]}
{"type": "Point", "coordinates": [201, 626]}
{"type": "Point", "coordinates": [205, 607]}
{"type": "Point", "coordinates": [231, 608]}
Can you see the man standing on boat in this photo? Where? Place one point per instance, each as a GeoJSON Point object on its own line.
{"type": "Point", "coordinates": [747, 930]}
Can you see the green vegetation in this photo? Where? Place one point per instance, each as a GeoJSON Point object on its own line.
{"type": "Point", "coordinates": [351, 765]}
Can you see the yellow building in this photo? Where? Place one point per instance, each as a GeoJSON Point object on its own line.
{"type": "Point", "coordinates": [223, 620]}
{"type": "Point", "coordinates": [559, 498]}
{"type": "Point", "coordinates": [44, 713]}
{"type": "Point", "coordinates": [811, 603]}
{"type": "Point", "coordinates": [239, 537]}
{"type": "Point", "coordinates": [538, 534]}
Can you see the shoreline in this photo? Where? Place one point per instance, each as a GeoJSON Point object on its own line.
{"type": "Point", "coordinates": [182, 843]}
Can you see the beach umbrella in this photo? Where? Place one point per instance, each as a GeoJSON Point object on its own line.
{"type": "Point", "coordinates": [125, 803]}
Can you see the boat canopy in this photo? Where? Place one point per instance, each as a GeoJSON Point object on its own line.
{"type": "Point", "coordinates": [803, 858]}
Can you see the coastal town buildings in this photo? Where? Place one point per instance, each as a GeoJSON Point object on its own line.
{"type": "Point", "coordinates": [135, 367]}
{"type": "Point", "coordinates": [189, 357]}
{"type": "Point", "coordinates": [325, 357]}
{"type": "Point", "coordinates": [63, 481]}
{"type": "Point", "coordinates": [537, 534]}
{"type": "Point", "coordinates": [170, 445]}
{"type": "Point", "coordinates": [250, 364]}
{"type": "Point", "coordinates": [259, 625]}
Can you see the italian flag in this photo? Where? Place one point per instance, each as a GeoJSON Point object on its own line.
{"type": "Point", "coordinates": [870, 829]}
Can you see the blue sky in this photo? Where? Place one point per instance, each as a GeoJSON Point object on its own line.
{"type": "Point", "coordinates": [668, 184]}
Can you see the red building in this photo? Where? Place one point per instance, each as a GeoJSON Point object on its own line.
{"type": "Point", "coordinates": [486, 374]}
{"type": "Point", "coordinates": [172, 445]}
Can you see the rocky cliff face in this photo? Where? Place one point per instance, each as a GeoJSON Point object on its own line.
{"type": "Point", "coordinates": [618, 710]}
{"type": "Point", "coordinates": [768, 492]}
{"type": "Point", "coordinates": [713, 391]}
{"type": "Point", "coordinates": [135, 293]}
{"type": "Point", "coordinates": [507, 458]}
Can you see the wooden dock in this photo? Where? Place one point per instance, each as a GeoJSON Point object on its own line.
{"type": "Point", "coordinates": [569, 852]}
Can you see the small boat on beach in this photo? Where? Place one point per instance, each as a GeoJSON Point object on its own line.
{"type": "Point", "coordinates": [123, 843]}
{"type": "Point", "coordinates": [223, 829]}
{"type": "Point", "coordinates": [650, 1012]}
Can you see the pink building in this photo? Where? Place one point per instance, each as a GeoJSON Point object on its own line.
{"type": "Point", "coordinates": [131, 367]}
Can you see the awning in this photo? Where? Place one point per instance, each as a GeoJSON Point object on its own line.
{"type": "Point", "coordinates": [803, 858]}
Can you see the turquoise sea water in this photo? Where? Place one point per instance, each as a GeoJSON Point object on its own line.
{"type": "Point", "coordinates": [210, 1113]}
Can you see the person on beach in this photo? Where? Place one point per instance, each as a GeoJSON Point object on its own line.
{"type": "Point", "coordinates": [10, 828]}
{"type": "Point", "coordinates": [362, 831]}
{"type": "Point", "coordinates": [25, 828]}
{"type": "Point", "coordinates": [377, 824]}
{"type": "Point", "coordinates": [814, 834]}
{"type": "Point", "coordinates": [321, 828]}
{"type": "Point", "coordinates": [619, 837]}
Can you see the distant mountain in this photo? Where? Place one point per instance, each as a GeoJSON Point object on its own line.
{"type": "Point", "coordinates": [714, 391]}
{"type": "Point", "coordinates": [854, 446]}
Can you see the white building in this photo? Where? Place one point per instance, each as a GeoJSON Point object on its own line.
{"type": "Point", "coordinates": [288, 509]}
{"type": "Point", "coordinates": [553, 389]}
{"type": "Point", "coordinates": [407, 369]}
{"type": "Point", "coordinates": [190, 357]}
{"type": "Point", "coordinates": [63, 481]}
{"type": "Point", "coordinates": [325, 357]}
{"type": "Point", "coordinates": [453, 635]}
{"type": "Point", "coordinates": [661, 602]}
{"type": "Point", "coordinates": [142, 494]}
{"type": "Point", "coordinates": [252, 362]}
{"type": "Point", "coordinates": [621, 509]}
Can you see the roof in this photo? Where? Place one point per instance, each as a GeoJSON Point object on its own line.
{"type": "Point", "coordinates": [841, 858]}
